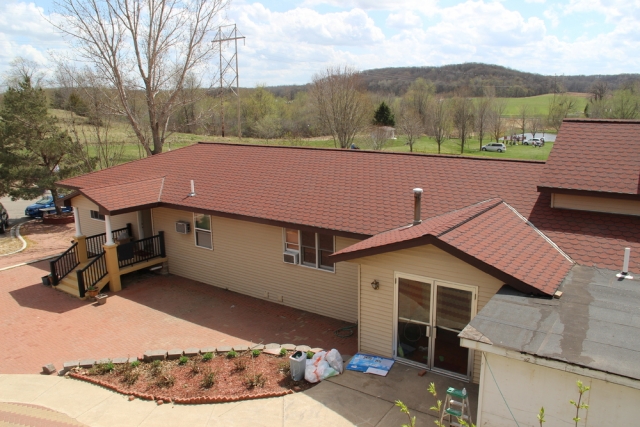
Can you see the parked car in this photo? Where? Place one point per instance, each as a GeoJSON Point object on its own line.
{"type": "Point", "coordinates": [34, 211]}
{"type": "Point", "coordinates": [495, 146]}
{"type": "Point", "coordinates": [538, 142]}
{"type": "Point", "coordinates": [4, 219]}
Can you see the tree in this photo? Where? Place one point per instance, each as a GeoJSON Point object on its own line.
{"type": "Point", "coordinates": [383, 116]}
{"type": "Point", "coordinates": [497, 122]}
{"type": "Point", "coordinates": [483, 110]}
{"type": "Point", "coordinates": [523, 119]}
{"type": "Point", "coordinates": [535, 125]}
{"type": "Point", "coordinates": [143, 48]}
{"type": "Point", "coordinates": [33, 149]}
{"type": "Point", "coordinates": [342, 106]}
{"type": "Point", "coordinates": [410, 124]}
{"type": "Point", "coordinates": [440, 120]}
{"type": "Point", "coordinates": [625, 104]}
{"type": "Point", "coordinates": [418, 97]}
{"type": "Point", "coordinates": [560, 106]}
{"type": "Point", "coordinates": [463, 117]}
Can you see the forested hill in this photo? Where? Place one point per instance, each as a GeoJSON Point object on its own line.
{"type": "Point", "coordinates": [476, 77]}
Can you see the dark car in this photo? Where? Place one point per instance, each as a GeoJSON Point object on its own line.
{"type": "Point", "coordinates": [4, 219]}
{"type": "Point", "coordinates": [46, 202]}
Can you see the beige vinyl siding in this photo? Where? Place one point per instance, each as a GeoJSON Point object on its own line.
{"type": "Point", "coordinates": [376, 306]}
{"type": "Point", "coordinates": [596, 204]}
{"type": "Point", "coordinates": [247, 258]}
{"type": "Point", "coordinates": [91, 227]}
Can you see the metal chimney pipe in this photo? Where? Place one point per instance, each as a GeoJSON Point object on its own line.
{"type": "Point", "coordinates": [417, 197]}
{"type": "Point", "coordinates": [625, 264]}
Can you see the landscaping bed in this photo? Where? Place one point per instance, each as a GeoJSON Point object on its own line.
{"type": "Point", "coordinates": [204, 378]}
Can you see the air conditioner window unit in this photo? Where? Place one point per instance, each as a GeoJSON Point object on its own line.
{"type": "Point", "coordinates": [290, 257]}
{"type": "Point", "coordinates": [183, 227]}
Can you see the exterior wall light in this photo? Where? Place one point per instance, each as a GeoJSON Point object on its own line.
{"type": "Point", "coordinates": [375, 285]}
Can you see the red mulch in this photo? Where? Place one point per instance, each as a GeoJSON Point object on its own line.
{"type": "Point", "coordinates": [230, 383]}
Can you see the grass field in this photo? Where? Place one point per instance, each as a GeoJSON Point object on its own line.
{"type": "Point", "coordinates": [120, 131]}
{"type": "Point", "coordinates": [539, 105]}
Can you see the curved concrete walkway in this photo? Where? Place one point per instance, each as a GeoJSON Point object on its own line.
{"type": "Point", "coordinates": [346, 400]}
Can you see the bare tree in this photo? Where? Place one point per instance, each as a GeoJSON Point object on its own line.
{"type": "Point", "coordinates": [482, 116]}
{"type": "Point", "coordinates": [463, 117]}
{"type": "Point", "coordinates": [440, 121]}
{"type": "Point", "coordinates": [343, 108]}
{"type": "Point", "coordinates": [560, 106]}
{"type": "Point", "coordinates": [535, 125]}
{"type": "Point", "coordinates": [20, 69]}
{"type": "Point", "coordinates": [523, 119]}
{"type": "Point", "coordinates": [410, 124]}
{"type": "Point", "coordinates": [418, 97]}
{"type": "Point", "coordinates": [498, 123]}
{"type": "Point", "coordinates": [148, 47]}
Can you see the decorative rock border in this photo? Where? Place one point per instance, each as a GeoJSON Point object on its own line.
{"type": "Point", "coordinates": [151, 355]}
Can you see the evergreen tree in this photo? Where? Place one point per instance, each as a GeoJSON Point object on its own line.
{"type": "Point", "coordinates": [33, 149]}
{"type": "Point", "coordinates": [383, 116]}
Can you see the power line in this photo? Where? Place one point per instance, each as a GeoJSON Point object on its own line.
{"type": "Point", "coordinates": [230, 73]}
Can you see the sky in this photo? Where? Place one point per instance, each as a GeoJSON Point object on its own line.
{"type": "Point", "coordinates": [288, 41]}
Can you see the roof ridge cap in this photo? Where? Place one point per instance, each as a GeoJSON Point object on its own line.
{"type": "Point", "coordinates": [544, 236]}
{"type": "Point", "coordinates": [124, 183]}
{"type": "Point", "coordinates": [466, 220]}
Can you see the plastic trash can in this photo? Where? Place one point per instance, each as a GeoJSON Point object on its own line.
{"type": "Point", "coordinates": [297, 364]}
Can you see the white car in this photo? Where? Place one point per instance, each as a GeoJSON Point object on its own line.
{"type": "Point", "coordinates": [495, 146]}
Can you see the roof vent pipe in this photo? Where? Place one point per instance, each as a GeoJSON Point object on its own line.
{"type": "Point", "coordinates": [625, 265]}
{"type": "Point", "coordinates": [417, 197]}
{"type": "Point", "coordinates": [193, 189]}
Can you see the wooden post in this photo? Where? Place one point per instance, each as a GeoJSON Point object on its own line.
{"type": "Point", "coordinates": [81, 248]}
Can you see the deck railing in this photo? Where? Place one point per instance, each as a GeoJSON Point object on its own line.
{"type": "Point", "coordinates": [64, 264]}
{"type": "Point", "coordinates": [141, 250]}
{"type": "Point", "coordinates": [95, 242]}
{"type": "Point", "coordinates": [92, 273]}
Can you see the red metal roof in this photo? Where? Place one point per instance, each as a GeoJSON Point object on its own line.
{"type": "Point", "coordinates": [595, 155]}
{"type": "Point", "coordinates": [490, 232]}
{"type": "Point", "coordinates": [350, 191]}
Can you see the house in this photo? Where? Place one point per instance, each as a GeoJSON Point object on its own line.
{"type": "Point", "coordinates": [419, 250]}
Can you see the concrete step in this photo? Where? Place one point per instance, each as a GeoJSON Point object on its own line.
{"type": "Point", "coordinates": [71, 290]}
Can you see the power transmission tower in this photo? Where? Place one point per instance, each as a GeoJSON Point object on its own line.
{"type": "Point", "coordinates": [229, 70]}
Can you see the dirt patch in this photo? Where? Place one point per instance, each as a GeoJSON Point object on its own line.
{"type": "Point", "coordinates": [9, 244]}
{"type": "Point", "coordinates": [43, 240]}
{"type": "Point", "coordinates": [197, 380]}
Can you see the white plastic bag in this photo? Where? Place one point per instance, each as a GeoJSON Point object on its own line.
{"type": "Point", "coordinates": [334, 359]}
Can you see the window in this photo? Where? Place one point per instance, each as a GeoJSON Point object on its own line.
{"type": "Point", "coordinates": [97, 215]}
{"type": "Point", "coordinates": [314, 248]}
{"type": "Point", "coordinates": [203, 230]}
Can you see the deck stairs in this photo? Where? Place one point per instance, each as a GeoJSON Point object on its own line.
{"type": "Point", "coordinates": [69, 283]}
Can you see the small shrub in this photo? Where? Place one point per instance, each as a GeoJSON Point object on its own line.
{"type": "Point", "coordinates": [241, 364]}
{"type": "Point", "coordinates": [255, 353]}
{"type": "Point", "coordinates": [166, 381]}
{"type": "Point", "coordinates": [130, 376]}
{"type": "Point", "coordinates": [207, 356]}
{"type": "Point", "coordinates": [310, 354]}
{"type": "Point", "coordinates": [195, 368]}
{"type": "Point", "coordinates": [135, 363]}
{"type": "Point", "coordinates": [256, 380]}
{"type": "Point", "coordinates": [283, 352]}
{"type": "Point", "coordinates": [183, 360]}
{"type": "Point", "coordinates": [209, 378]}
{"type": "Point", "coordinates": [232, 354]}
{"type": "Point", "coordinates": [284, 368]}
{"type": "Point", "coordinates": [102, 368]}
{"type": "Point", "coordinates": [156, 368]}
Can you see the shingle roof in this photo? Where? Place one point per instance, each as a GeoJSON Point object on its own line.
{"type": "Point", "coordinates": [358, 192]}
{"type": "Point", "coordinates": [490, 232]}
{"type": "Point", "coordinates": [119, 196]}
{"type": "Point", "coordinates": [595, 155]}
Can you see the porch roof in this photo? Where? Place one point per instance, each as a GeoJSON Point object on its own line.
{"type": "Point", "coordinates": [594, 324]}
{"type": "Point", "coordinates": [490, 235]}
{"type": "Point", "coordinates": [126, 196]}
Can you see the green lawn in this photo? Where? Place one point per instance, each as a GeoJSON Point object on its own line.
{"type": "Point", "coordinates": [539, 105]}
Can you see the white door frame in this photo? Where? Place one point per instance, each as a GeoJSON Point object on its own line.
{"type": "Point", "coordinates": [432, 311]}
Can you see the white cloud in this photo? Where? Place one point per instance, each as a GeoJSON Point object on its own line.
{"type": "Point", "coordinates": [403, 20]}
{"type": "Point", "coordinates": [427, 7]}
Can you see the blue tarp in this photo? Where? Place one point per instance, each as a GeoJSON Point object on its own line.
{"type": "Point", "coordinates": [370, 364]}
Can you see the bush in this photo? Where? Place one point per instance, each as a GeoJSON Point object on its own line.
{"type": "Point", "coordinates": [102, 368]}
{"type": "Point", "coordinates": [209, 379]}
{"type": "Point", "coordinates": [310, 354]}
{"type": "Point", "coordinates": [284, 368]}
{"type": "Point", "coordinates": [241, 364]}
{"type": "Point", "coordinates": [183, 360]}
{"type": "Point", "coordinates": [283, 352]}
{"type": "Point", "coordinates": [255, 353]}
{"type": "Point", "coordinates": [166, 381]}
{"type": "Point", "coordinates": [156, 368]}
{"type": "Point", "coordinates": [195, 368]}
{"type": "Point", "coordinates": [130, 376]}
{"type": "Point", "coordinates": [232, 354]}
{"type": "Point", "coordinates": [256, 380]}
{"type": "Point", "coordinates": [207, 356]}
{"type": "Point", "coordinates": [135, 363]}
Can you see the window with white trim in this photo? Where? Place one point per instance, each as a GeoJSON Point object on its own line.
{"type": "Point", "coordinates": [313, 248]}
{"type": "Point", "coordinates": [202, 226]}
{"type": "Point", "coordinates": [97, 215]}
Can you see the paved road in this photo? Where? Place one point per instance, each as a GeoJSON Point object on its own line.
{"type": "Point", "coordinates": [16, 209]}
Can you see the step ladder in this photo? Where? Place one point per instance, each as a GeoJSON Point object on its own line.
{"type": "Point", "coordinates": [456, 408]}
